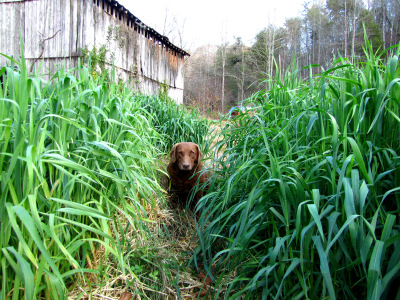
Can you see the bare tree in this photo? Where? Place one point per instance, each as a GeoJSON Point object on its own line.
{"type": "Point", "coordinates": [269, 48]}
{"type": "Point", "coordinates": [223, 60]}
{"type": "Point", "coordinates": [173, 28]}
{"type": "Point", "coordinates": [354, 31]}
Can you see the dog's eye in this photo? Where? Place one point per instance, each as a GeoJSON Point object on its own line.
{"type": "Point", "coordinates": [192, 152]}
{"type": "Point", "coordinates": [180, 152]}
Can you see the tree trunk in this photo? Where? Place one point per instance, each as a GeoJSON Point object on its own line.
{"type": "Point", "coordinates": [383, 23]}
{"type": "Point", "coordinates": [267, 52]}
{"type": "Point", "coordinates": [242, 83]}
{"type": "Point", "coordinates": [354, 33]}
{"type": "Point", "coordinates": [345, 28]}
{"type": "Point", "coordinates": [223, 83]}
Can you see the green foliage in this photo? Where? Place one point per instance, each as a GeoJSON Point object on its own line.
{"type": "Point", "coordinates": [268, 42]}
{"type": "Point", "coordinates": [163, 92]}
{"type": "Point", "coordinates": [305, 200]}
{"type": "Point", "coordinates": [75, 156]}
{"type": "Point", "coordinates": [100, 60]}
{"type": "Point", "coordinates": [96, 61]}
{"type": "Point", "coordinates": [79, 170]}
{"type": "Point", "coordinates": [373, 31]}
{"type": "Point", "coordinates": [175, 124]}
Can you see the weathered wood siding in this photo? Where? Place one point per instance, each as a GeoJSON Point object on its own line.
{"type": "Point", "coordinates": [57, 30]}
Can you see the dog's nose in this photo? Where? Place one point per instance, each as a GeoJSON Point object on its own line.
{"type": "Point", "coordinates": [185, 166]}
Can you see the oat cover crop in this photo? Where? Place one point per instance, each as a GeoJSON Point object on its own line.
{"type": "Point", "coordinates": [77, 156]}
{"type": "Point", "coordinates": [304, 202]}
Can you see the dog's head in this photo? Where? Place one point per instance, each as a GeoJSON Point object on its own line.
{"type": "Point", "coordinates": [187, 155]}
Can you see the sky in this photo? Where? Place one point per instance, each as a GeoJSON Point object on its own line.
{"type": "Point", "coordinates": [211, 21]}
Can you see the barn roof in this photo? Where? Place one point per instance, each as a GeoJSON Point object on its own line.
{"type": "Point", "coordinates": [149, 32]}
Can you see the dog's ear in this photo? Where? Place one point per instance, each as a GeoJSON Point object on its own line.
{"type": "Point", "coordinates": [172, 154]}
{"type": "Point", "coordinates": [199, 154]}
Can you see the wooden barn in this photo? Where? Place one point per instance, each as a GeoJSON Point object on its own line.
{"type": "Point", "coordinates": [54, 32]}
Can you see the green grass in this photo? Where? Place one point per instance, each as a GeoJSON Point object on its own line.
{"type": "Point", "coordinates": [304, 202]}
{"type": "Point", "coordinates": [176, 124]}
{"type": "Point", "coordinates": [79, 166]}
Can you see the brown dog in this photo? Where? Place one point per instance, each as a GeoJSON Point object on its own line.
{"type": "Point", "coordinates": [184, 170]}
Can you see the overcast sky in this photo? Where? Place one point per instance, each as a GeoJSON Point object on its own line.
{"type": "Point", "coordinates": [203, 22]}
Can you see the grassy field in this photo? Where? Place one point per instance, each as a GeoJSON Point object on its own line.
{"type": "Point", "coordinates": [303, 201]}
{"type": "Point", "coordinates": [80, 162]}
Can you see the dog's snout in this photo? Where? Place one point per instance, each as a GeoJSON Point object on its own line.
{"type": "Point", "coordinates": [186, 166]}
